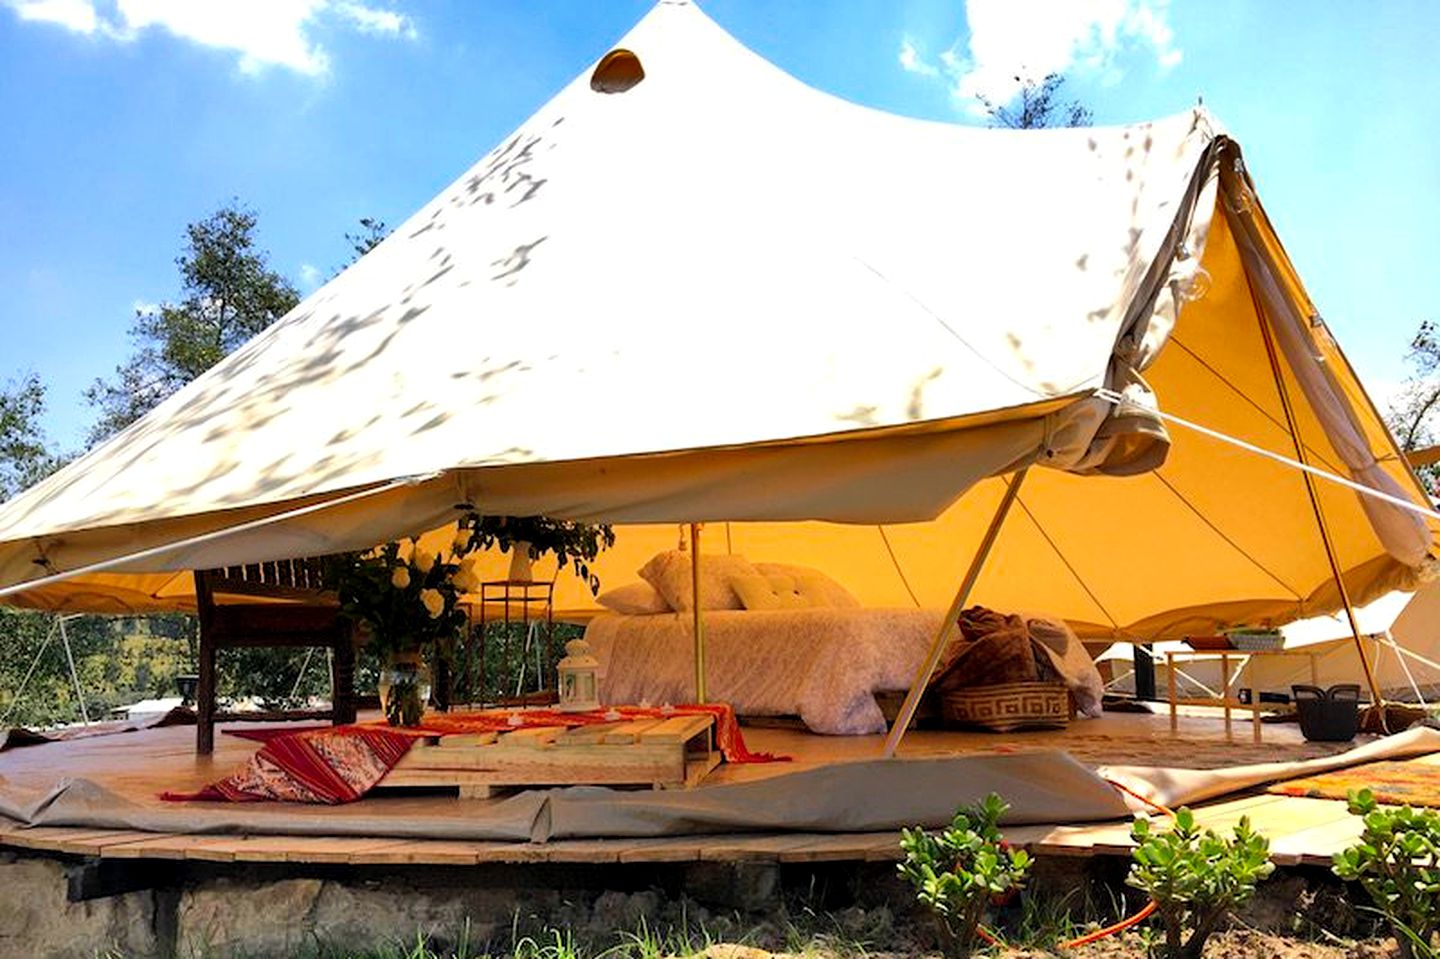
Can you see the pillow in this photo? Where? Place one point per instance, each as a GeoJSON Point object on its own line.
{"type": "Point", "coordinates": [634, 599]}
{"type": "Point", "coordinates": [768, 592]}
{"type": "Point", "coordinates": [669, 573]}
{"type": "Point", "coordinates": [815, 586]}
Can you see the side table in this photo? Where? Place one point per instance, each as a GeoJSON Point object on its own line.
{"type": "Point", "coordinates": [1226, 701]}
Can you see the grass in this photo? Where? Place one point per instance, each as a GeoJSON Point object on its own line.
{"type": "Point", "coordinates": [1037, 920]}
{"type": "Point", "coordinates": [683, 940]}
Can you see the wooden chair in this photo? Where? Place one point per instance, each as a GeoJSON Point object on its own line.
{"type": "Point", "coordinates": [279, 604]}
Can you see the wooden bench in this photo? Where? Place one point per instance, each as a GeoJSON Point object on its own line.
{"type": "Point", "coordinates": [281, 604]}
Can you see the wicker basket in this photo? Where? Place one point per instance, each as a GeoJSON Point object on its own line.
{"type": "Point", "coordinates": [1260, 641]}
{"type": "Point", "coordinates": [1008, 706]}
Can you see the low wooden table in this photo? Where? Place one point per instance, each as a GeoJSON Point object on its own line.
{"type": "Point", "coordinates": [669, 753]}
{"type": "Point", "coordinates": [1226, 701]}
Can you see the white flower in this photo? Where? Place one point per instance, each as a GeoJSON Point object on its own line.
{"type": "Point", "coordinates": [465, 580]}
{"type": "Point", "coordinates": [433, 601]}
{"type": "Point", "coordinates": [462, 540]}
{"type": "Point", "coordinates": [400, 577]}
{"type": "Point", "coordinates": [425, 562]}
{"type": "Point", "coordinates": [467, 577]}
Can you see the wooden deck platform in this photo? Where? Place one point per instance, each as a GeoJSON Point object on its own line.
{"type": "Point", "coordinates": [1302, 831]}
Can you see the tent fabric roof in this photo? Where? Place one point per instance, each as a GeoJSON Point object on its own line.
{"type": "Point", "coordinates": [720, 257]}
{"type": "Point", "coordinates": [724, 296]}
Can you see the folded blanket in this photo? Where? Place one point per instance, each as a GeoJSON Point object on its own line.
{"type": "Point", "coordinates": [997, 648]}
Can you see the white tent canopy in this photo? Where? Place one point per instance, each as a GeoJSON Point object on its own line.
{"type": "Point", "coordinates": [722, 295]}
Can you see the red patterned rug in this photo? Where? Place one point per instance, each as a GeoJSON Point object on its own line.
{"type": "Point", "coordinates": [1407, 783]}
{"type": "Point", "coordinates": [339, 764]}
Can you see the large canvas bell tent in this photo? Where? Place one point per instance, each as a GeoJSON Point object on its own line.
{"type": "Point", "coordinates": [693, 289]}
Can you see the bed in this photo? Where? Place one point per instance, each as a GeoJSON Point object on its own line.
{"type": "Point", "coordinates": [824, 664]}
{"type": "Point", "coordinates": [782, 640]}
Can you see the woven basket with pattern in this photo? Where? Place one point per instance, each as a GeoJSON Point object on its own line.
{"type": "Point", "coordinates": [1008, 706]}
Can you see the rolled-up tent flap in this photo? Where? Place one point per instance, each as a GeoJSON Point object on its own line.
{"type": "Point", "coordinates": [1298, 334]}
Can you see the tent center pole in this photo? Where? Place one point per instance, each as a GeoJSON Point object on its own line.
{"type": "Point", "coordinates": [698, 617]}
{"type": "Point", "coordinates": [950, 623]}
{"type": "Point", "coordinates": [1272, 354]}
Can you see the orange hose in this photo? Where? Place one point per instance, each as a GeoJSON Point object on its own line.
{"type": "Point", "coordinates": [1150, 906]}
{"type": "Point", "coordinates": [1145, 799]}
{"type": "Point", "coordinates": [988, 937]}
{"type": "Point", "coordinates": [1120, 926]}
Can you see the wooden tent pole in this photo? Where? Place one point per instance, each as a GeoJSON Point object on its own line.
{"type": "Point", "coordinates": [950, 623]}
{"type": "Point", "coordinates": [698, 618]}
{"type": "Point", "coordinates": [1274, 357]}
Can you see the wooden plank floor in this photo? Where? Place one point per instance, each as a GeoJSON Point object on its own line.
{"type": "Point", "coordinates": [140, 765]}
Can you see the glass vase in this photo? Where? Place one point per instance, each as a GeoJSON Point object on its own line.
{"type": "Point", "coordinates": [404, 689]}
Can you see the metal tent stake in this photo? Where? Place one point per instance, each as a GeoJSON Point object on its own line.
{"type": "Point", "coordinates": [949, 624]}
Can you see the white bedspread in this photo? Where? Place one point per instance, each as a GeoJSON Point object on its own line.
{"type": "Point", "coordinates": [824, 665]}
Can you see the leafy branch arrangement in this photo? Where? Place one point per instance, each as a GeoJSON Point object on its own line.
{"type": "Point", "coordinates": [958, 871]}
{"type": "Point", "coordinates": [1196, 877]}
{"type": "Point", "coordinates": [574, 544]}
{"type": "Point", "coordinates": [1397, 862]}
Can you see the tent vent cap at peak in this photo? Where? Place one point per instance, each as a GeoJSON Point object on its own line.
{"type": "Point", "coordinates": [618, 71]}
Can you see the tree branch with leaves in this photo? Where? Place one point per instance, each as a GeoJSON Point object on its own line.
{"type": "Point", "coordinates": [1037, 105]}
{"type": "Point", "coordinates": [229, 294]}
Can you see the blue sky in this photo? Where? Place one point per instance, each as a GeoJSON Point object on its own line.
{"type": "Point", "coordinates": [122, 120]}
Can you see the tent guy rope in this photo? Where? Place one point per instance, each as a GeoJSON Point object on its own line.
{"type": "Point", "coordinates": [1121, 402]}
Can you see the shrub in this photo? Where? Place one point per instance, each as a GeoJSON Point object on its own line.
{"type": "Point", "coordinates": [958, 871]}
{"type": "Point", "coordinates": [1397, 862]}
{"type": "Point", "coordinates": [1196, 877]}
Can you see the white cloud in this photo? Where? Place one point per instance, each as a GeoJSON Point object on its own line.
{"type": "Point", "coordinates": [310, 276]}
{"type": "Point", "coordinates": [374, 20]}
{"type": "Point", "coordinates": [77, 15]}
{"type": "Point", "coordinates": [1035, 38]}
{"type": "Point", "coordinates": [911, 62]}
{"type": "Point", "coordinates": [264, 33]}
{"type": "Point", "coordinates": [145, 308]}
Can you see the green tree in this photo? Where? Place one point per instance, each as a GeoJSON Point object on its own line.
{"type": "Point", "coordinates": [229, 293]}
{"type": "Point", "coordinates": [372, 233]}
{"type": "Point", "coordinates": [1039, 104]}
{"type": "Point", "coordinates": [1414, 410]}
{"type": "Point", "coordinates": [25, 456]}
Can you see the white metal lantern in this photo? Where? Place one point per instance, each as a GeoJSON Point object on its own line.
{"type": "Point", "coordinates": [578, 678]}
